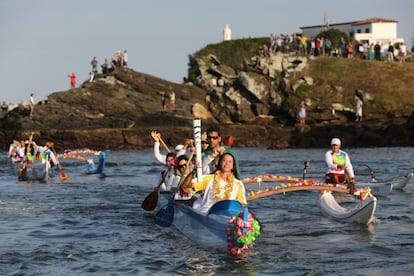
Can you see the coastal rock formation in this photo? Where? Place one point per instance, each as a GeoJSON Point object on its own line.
{"type": "Point", "coordinates": [255, 102]}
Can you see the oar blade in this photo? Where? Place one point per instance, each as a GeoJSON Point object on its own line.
{"type": "Point", "coordinates": [22, 174]}
{"type": "Point", "coordinates": [64, 176]}
{"type": "Point", "coordinates": [150, 202]}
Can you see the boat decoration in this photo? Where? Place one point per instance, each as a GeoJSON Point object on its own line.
{"type": "Point", "coordinates": [241, 233]}
{"type": "Point", "coordinates": [80, 155]}
{"type": "Point", "coordinates": [291, 184]}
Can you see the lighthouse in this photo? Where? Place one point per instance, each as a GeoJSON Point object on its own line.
{"type": "Point", "coordinates": [226, 32]}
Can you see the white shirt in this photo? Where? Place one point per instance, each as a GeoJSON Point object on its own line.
{"type": "Point", "coordinates": [209, 197]}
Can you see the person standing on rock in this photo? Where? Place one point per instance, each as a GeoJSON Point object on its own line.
{"type": "Point", "coordinates": [172, 99]}
{"type": "Point", "coordinates": [302, 114]}
{"type": "Point", "coordinates": [163, 100]}
{"type": "Point", "coordinates": [32, 105]}
{"type": "Point", "coordinates": [358, 109]}
{"type": "Point", "coordinates": [72, 80]}
{"type": "Point", "coordinates": [94, 64]}
{"type": "Point", "coordinates": [125, 58]}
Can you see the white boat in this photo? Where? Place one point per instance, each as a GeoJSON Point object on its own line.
{"type": "Point", "coordinates": [384, 188]}
{"type": "Point", "coordinates": [38, 170]}
{"type": "Point", "coordinates": [361, 212]}
{"type": "Point", "coordinates": [400, 182]}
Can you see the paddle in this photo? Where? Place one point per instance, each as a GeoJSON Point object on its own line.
{"type": "Point", "coordinates": [150, 202]}
{"type": "Point", "coordinates": [163, 143]}
{"type": "Point", "coordinates": [165, 216]}
{"type": "Point", "coordinates": [155, 135]}
{"type": "Point", "coordinates": [63, 175]}
{"type": "Point", "coordinates": [306, 164]}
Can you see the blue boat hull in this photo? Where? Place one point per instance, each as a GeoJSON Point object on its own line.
{"type": "Point", "coordinates": [208, 230]}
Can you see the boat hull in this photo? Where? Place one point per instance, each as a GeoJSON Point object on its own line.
{"type": "Point", "coordinates": [207, 230]}
{"type": "Point", "coordinates": [93, 169]}
{"type": "Point", "coordinates": [363, 212]}
{"type": "Point", "coordinates": [39, 170]}
{"type": "Point", "coordinates": [384, 188]}
{"type": "Point", "coordinates": [400, 183]}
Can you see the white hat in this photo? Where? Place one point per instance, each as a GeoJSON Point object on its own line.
{"type": "Point", "coordinates": [335, 141]}
{"type": "Point", "coordinates": [179, 147]}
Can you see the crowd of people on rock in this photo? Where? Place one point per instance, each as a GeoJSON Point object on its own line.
{"type": "Point", "coordinates": [319, 46]}
{"type": "Point", "coordinates": [119, 59]}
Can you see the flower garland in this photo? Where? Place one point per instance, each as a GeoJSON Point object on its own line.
{"type": "Point", "coordinates": [174, 162]}
{"type": "Point", "coordinates": [229, 186]}
{"type": "Point", "coordinates": [242, 231]}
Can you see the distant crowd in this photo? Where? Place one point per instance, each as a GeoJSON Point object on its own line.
{"type": "Point", "coordinates": [119, 59]}
{"type": "Point", "coordinates": [320, 46]}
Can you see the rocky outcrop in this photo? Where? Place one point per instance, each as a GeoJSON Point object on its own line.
{"type": "Point", "coordinates": [257, 104]}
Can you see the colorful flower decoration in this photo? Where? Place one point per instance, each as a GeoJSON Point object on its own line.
{"type": "Point", "coordinates": [174, 162]}
{"type": "Point", "coordinates": [242, 231]}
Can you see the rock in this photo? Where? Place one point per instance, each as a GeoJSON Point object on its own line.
{"type": "Point", "coordinates": [257, 105]}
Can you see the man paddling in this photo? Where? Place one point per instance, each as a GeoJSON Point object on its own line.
{"type": "Point", "coordinates": [339, 167]}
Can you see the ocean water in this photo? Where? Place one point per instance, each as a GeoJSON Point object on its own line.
{"type": "Point", "coordinates": [94, 225]}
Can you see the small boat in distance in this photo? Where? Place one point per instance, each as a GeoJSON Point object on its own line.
{"type": "Point", "coordinates": [86, 156]}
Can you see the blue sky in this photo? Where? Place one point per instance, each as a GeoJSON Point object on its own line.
{"type": "Point", "coordinates": [43, 41]}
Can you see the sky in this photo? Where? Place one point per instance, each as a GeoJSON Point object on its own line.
{"type": "Point", "coordinates": [43, 41]}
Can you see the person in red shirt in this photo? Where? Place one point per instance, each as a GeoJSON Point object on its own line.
{"type": "Point", "coordinates": [72, 80]}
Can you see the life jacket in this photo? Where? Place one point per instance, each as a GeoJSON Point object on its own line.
{"type": "Point", "coordinates": [339, 158]}
{"type": "Point", "coordinates": [41, 155]}
{"type": "Point", "coordinates": [30, 158]}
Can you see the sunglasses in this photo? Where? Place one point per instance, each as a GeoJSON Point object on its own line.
{"type": "Point", "coordinates": [182, 166]}
{"type": "Point", "coordinates": [204, 142]}
{"type": "Point", "coordinates": [212, 137]}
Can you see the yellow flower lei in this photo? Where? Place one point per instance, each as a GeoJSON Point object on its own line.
{"type": "Point", "coordinates": [229, 186]}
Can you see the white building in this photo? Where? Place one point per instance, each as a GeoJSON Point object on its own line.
{"type": "Point", "coordinates": [371, 30]}
{"type": "Point", "coordinates": [226, 32]}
